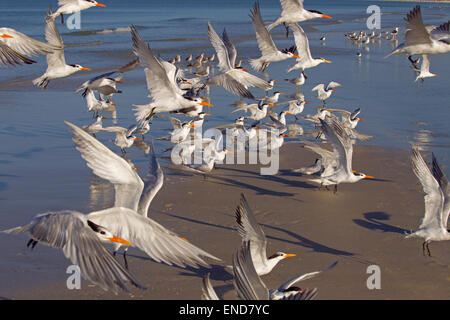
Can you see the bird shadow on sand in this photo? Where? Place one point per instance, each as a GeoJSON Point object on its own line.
{"type": "Point", "coordinates": [315, 246]}
{"type": "Point", "coordinates": [373, 221]}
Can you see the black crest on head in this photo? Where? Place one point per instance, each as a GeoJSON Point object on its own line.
{"type": "Point", "coordinates": [292, 50]}
{"type": "Point", "coordinates": [315, 11]}
{"type": "Point", "coordinates": [93, 226]}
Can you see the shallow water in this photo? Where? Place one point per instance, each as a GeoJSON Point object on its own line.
{"type": "Point", "coordinates": [40, 169]}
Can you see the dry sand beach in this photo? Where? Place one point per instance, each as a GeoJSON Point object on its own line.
{"type": "Point", "coordinates": [362, 225]}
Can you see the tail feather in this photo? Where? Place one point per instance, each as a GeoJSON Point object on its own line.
{"type": "Point", "coordinates": [17, 230]}
{"type": "Point", "coordinates": [258, 64]}
{"type": "Point", "coordinates": [41, 82]}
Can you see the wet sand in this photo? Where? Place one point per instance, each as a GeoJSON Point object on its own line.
{"type": "Point", "coordinates": [362, 225]}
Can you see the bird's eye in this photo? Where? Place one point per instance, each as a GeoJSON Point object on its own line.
{"type": "Point", "coordinates": [102, 232]}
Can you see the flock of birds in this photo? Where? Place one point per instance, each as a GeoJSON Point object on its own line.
{"type": "Point", "coordinates": [127, 223]}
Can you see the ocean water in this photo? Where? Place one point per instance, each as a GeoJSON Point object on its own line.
{"type": "Point", "coordinates": [40, 170]}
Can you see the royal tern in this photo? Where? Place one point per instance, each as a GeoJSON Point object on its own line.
{"type": "Point", "coordinates": [72, 6]}
{"type": "Point", "coordinates": [325, 164]}
{"type": "Point", "coordinates": [425, 68]}
{"type": "Point", "coordinates": [180, 130]}
{"type": "Point", "coordinates": [349, 119]}
{"type": "Point", "coordinates": [422, 40]}
{"type": "Point", "coordinates": [95, 105]}
{"type": "Point", "coordinates": [256, 113]}
{"type": "Point", "coordinates": [273, 99]}
{"type": "Point", "coordinates": [269, 51]}
{"type": "Point", "coordinates": [250, 230]}
{"type": "Point", "coordinates": [129, 216]}
{"type": "Point", "coordinates": [81, 240]}
{"type": "Point", "coordinates": [166, 95]}
{"type": "Point", "coordinates": [323, 93]}
{"type": "Point", "coordinates": [305, 59]}
{"type": "Point", "coordinates": [56, 63]}
{"type": "Point", "coordinates": [105, 83]}
{"type": "Point", "coordinates": [234, 79]}
{"type": "Point", "coordinates": [437, 201]}
{"type": "Point", "coordinates": [343, 150]}
{"type": "Point", "coordinates": [292, 11]}
{"type": "Point", "coordinates": [124, 136]}
{"type": "Point", "coordinates": [96, 126]}
{"type": "Point", "coordinates": [15, 46]}
{"type": "Point", "coordinates": [298, 81]}
{"type": "Point", "coordinates": [249, 286]}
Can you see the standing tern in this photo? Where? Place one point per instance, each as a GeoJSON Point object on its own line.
{"type": "Point", "coordinates": [166, 95]}
{"type": "Point", "coordinates": [269, 51]}
{"type": "Point", "coordinates": [129, 216]}
{"type": "Point", "coordinates": [124, 136]}
{"type": "Point", "coordinates": [81, 240]}
{"type": "Point", "coordinates": [72, 6]}
{"type": "Point", "coordinates": [437, 201]}
{"type": "Point", "coordinates": [305, 59]}
{"type": "Point", "coordinates": [323, 93]}
{"type": "Point", "coordinates": [250, 230]}
{"type": "Point", "coordinates": [343, 150]}
{"type": "Point", "coordinates": [234, 79]}
{"type": "Point", "coordinates": [56, 63]}
{"type": "Point", "coordinates": [292, 11]}
{"type": "Point", "coordinates": [15, 46]}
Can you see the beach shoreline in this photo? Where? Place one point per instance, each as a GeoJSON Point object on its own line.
{"type": "Point", "coordinates": [364, 224]}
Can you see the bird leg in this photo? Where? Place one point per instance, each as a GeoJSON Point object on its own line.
{"type": "Point", "coordinates": [287, 30]}
{"type": "Point", "coordinates": [428, 248]}
{"type": "Point", "coordinates": [32, 243]}
{"type": "Point", "coordinates": [335, 189]}
{"type": "Point", "coordinates": [125, 258]}
{"type": "Point", "coordinates": [62, 18]}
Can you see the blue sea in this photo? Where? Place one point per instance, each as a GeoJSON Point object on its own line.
{"type": "Point", "coordinates": [38, 161]}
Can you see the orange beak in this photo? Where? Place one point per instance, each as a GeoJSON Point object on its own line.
{"type": "Point", "coordinates": [104, 118]}
{"type": "Point", "coordinates": [306, 102]}
{"type": "Point", "coordinates": [295, 56]}
{"type": "Point", "coordinates": [327, 61]}
{"type": "Point", "coordinates": [119, 240]}
{"type": "Point", "coordinates": [281, 93]}
{"type": "Point", "coordinates": [289, 113]}
{"type": "Point", "coordinates": [369, 177]}
{"type": "Point", "coordinates": [327, 17]}
{"type": "Point", "coordinates": [289, 255]}
{"type": "Point", "coordinates": [285, 136]}
{"type": "Point", "coordinates": [118, 81]}
{"type": "Point", "coordinates": [100, 5]}
{"type": "Point", "coordinates": [275, 80]}
{"type": "Point", "coordinates": [333, 89]}
{"type": "Point", "coordinates": [6, 36]}
{"type": "Point", "coordinates": [203, 103]}
{"type": "Point", "coordinates": [360, 119]}
{"type": "Point", "coordinates": [137, 138]}
{"type": "Point", "coordinates": [244, 70]}
{"type": "Point", "coordinates": [188, 82]}
{"type": "Point", "coordinates": [229, 152]}
{"type": "Point", "coordinates": [192, 125]}
{"type": "Point", "coordinates": [113, 104]}
{"type": "Point", "coordinates": [83, 68]}
{"type": "Point", "coordinates": [207, 114]}
{"type": "Point", "coordinates": [270, 105]}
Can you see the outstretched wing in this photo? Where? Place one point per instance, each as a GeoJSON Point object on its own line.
{"type": "Point", "coordinates": [149, 236]}
{"type": "Point", "coordinates": [68, 230]}
{"type": "Point", "coordinates": [247, 283]}
{"type": "Point", "coordinates": [108, 165]}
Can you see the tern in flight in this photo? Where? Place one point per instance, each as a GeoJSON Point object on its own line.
{"type": "Point", "coordinates": [56, 62]}
{"type": "Point", "coordinates": [269, 51]}
{"type": "Point", "coordinates": [437, 201]}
